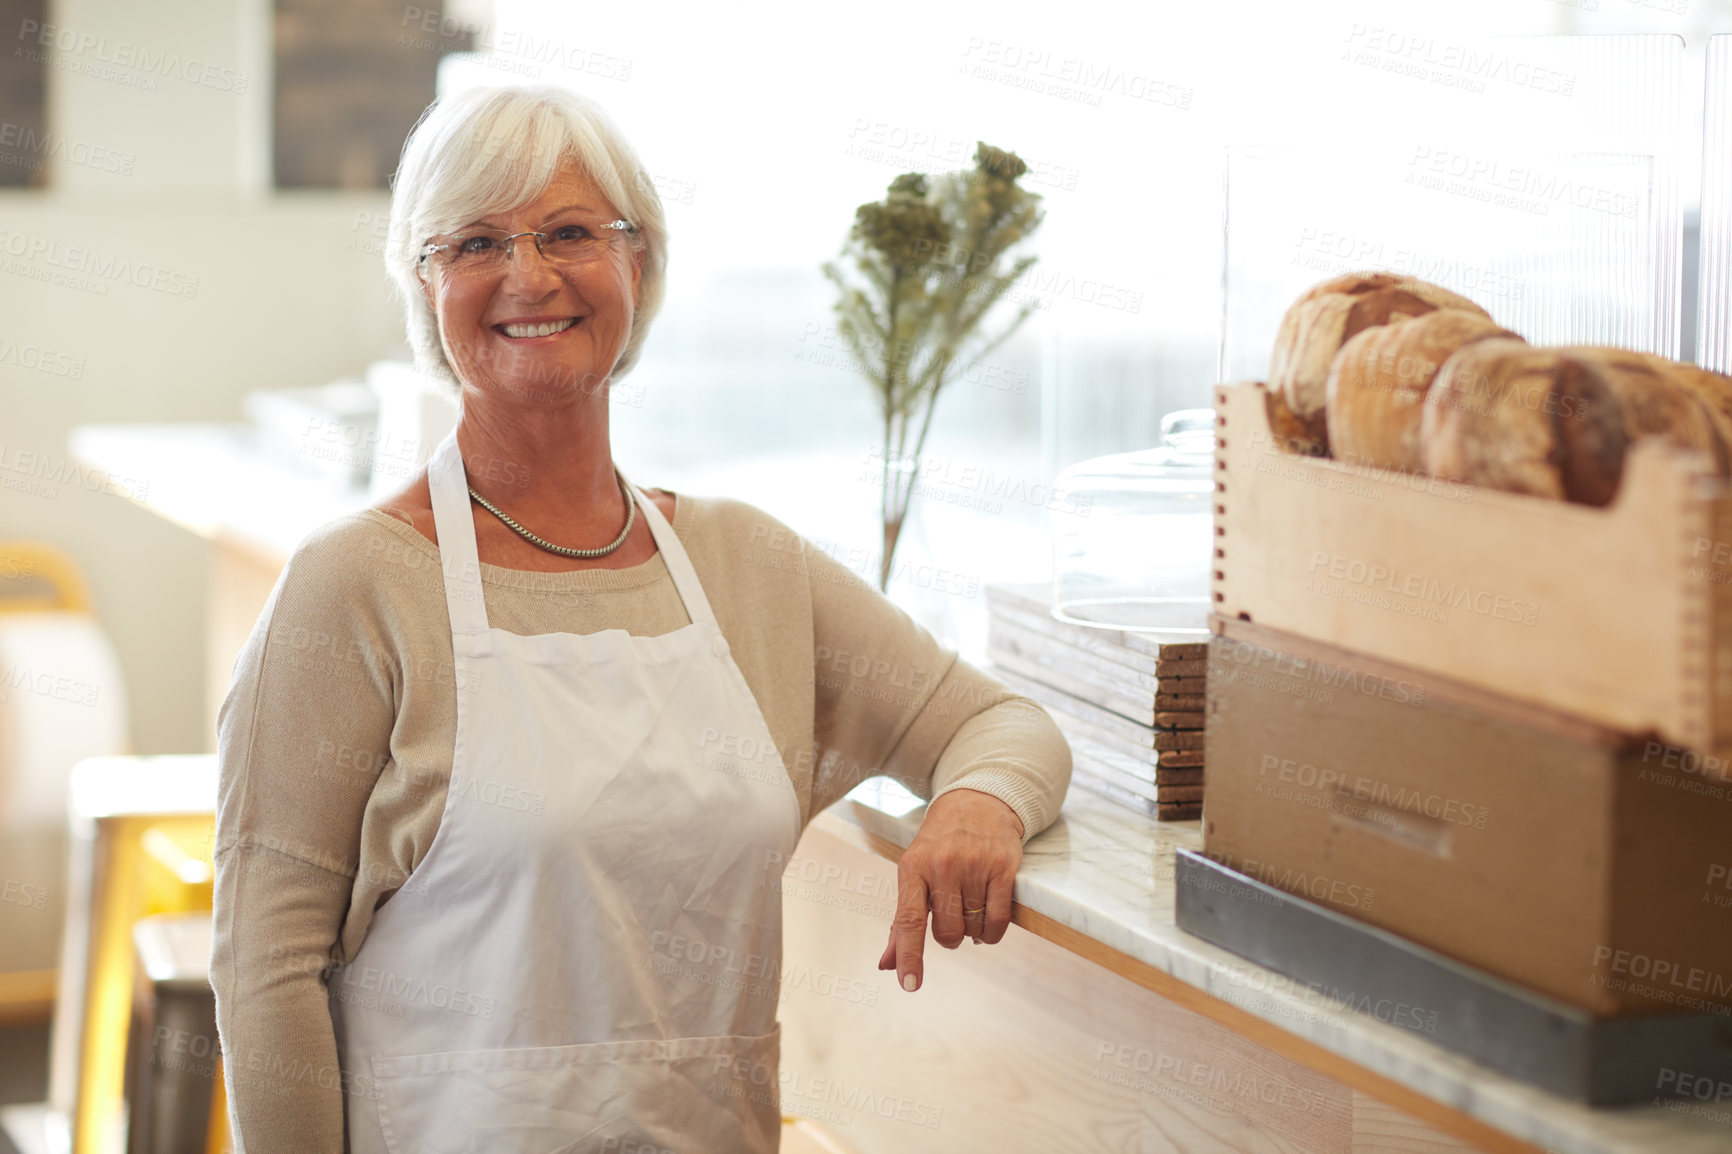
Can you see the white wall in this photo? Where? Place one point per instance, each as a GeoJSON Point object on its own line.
{"type": "Point", "coordinates": [240, 290]}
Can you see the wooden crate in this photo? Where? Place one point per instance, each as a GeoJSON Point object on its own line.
{"type": "Point", "coordinates": [1621, 615]}
{"type": "Point", "coordinates": [1561, 855]}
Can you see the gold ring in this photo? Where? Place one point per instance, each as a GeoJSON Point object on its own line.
{"type": "Point", "coordinates": [968, 913]}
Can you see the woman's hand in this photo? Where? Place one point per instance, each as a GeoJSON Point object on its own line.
{"type": "Point", "coordinates": [962, 866]}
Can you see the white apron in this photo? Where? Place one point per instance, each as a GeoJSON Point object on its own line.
{"type": "Point", "coordinates": [588, 957]}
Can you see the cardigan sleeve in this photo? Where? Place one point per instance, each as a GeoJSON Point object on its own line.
{"type": "Point", "coordinates": [310, 692]}
{"type": "Point", "coordinates": [889, 699]}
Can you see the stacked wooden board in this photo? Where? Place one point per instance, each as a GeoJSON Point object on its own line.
{"type": "Point", "coordinates": [1129, 703]}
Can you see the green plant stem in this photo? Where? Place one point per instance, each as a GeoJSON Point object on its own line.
{"type": "Point", "coordinates": [892, 523]}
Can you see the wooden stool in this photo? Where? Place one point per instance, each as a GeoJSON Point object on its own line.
{"type": "Point", "coordinates": [174, 1052]}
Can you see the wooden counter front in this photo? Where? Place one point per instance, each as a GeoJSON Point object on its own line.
{"type": "Point", "coordinates": [1033, 1046]}
{"type": "Point", "coordinates": [1096, 1025]}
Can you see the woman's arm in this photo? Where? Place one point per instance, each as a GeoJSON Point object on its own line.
{"type": "Point", "coordinates": [302, 735]}
{"type": "Point", "coordinates": [889, 699]}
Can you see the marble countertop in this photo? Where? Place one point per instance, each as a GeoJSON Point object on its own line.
{"type": "Point", "coordinates": [1108, 873]}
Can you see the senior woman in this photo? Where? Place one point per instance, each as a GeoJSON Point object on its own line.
{"type": "Point", "coordinates": [507, 752]}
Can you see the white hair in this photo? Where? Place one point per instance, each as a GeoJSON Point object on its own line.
{"type": "Point", "coordinates": [496, 149]}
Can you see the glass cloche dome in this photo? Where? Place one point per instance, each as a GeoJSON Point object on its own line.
{"type": "Point", "coordinates": [1133, 533]}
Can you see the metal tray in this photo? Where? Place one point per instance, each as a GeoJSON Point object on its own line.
{"type": "Point", "coordinates": [1529, 1037]}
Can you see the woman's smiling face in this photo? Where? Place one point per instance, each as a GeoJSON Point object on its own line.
{"type": "Point", "coordinates": [536, 329]}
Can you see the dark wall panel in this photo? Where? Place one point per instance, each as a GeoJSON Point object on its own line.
{"type": "Point", "coordinates": [352, 76]}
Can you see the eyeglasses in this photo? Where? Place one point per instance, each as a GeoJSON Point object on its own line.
{"type": "Point", "coordinates": [483, 252]}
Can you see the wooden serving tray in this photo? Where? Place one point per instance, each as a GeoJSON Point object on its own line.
{"type": "Point", "coordinates": [1621, 615]}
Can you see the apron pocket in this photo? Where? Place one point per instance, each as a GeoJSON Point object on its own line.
{"type": "Point", "coordinates": [683, 1096]}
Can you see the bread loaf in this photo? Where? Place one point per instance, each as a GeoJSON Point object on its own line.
{"type": "Point", "coordinates": [1505, 415]}
{"type": "Point", "coordinates": [1714, 388]}
{"type": "Point", "coordinates": [1359, 283]}
{"type": "Point", "coordinates": [1658, 398]}
{"type": "Point", "coordinates": [1378, 382]}
{"type": "Point", "coordinates": [1323, 319]}
{"type": "Point", "coordinates": [1291, 435]}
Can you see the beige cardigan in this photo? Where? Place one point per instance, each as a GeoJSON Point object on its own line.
{"type": "Point", "coordinates": [335, 747]}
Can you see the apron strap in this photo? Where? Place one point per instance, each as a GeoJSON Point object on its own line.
{"type": "Point", "coordinates": [449, 486]}
{"type": "Point", "coordinates": [674, 557]}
